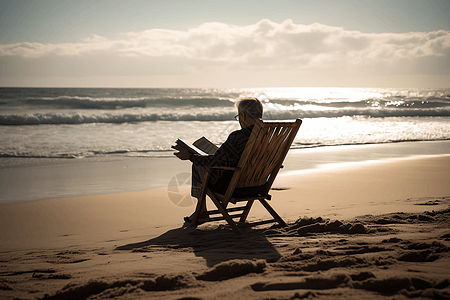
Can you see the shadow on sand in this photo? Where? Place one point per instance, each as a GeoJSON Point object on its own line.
{"type": "Point", "coordinates": [214, 244]}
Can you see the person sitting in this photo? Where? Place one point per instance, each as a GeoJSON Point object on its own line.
{"type": "Point", "coordinates": [228, 154]}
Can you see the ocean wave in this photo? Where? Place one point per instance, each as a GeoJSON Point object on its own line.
{"type": "Point", "coordinates": [91, 153]}
{"type": "Point", "coordinates": [78, 102]}
{"type": "Point", "coordinates": [78, 118]}
{"type": "Point", "coordinates": [193, 115]}
{"type": "Point", "coordinates": [210, 101]}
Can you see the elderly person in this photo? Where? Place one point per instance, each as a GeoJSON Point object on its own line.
{"type": "Point", "coordinates": [249, 111]}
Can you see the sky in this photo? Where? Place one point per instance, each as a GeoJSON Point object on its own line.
{"type": "Point", "coordinates": [247, 43]}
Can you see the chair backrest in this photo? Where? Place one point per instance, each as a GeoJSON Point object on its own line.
{"type": "Point", "coordinates": [264, 153]}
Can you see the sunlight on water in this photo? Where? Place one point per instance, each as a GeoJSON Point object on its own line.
{"type": "Point", "coordinates": [141, 122]}
{"type": "Point", "coordinates": [323, 94]}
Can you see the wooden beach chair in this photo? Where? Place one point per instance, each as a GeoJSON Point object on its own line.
{"type": "Point", "coordinates": [253, 177]}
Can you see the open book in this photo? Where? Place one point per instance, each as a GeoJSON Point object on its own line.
{"type": "Point", "coordinates": [202, 146]}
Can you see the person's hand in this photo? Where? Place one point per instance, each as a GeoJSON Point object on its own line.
{"type": "Point", "coordinates": [182, 154]}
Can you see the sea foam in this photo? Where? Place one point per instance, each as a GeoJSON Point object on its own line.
{"type": "Point", "coordinates": [145, 122]}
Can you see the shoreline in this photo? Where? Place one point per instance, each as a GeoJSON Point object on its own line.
{"type": "Point", "coordinates": [341, 191]}
{"type": "Point", "coordinates": [25, 180]}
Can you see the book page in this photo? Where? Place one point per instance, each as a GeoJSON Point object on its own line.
{"type": "Point", "coordinates": [205, 145]}
{"type": "Point", "coordinates": [190, 148]}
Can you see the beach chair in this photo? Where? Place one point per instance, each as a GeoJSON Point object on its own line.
{"type": "Point", "coordinates": [252, 179]}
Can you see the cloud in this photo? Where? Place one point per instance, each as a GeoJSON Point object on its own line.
{"type": "Point", "coordinates": [217, 46]}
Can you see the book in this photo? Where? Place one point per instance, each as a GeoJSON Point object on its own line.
{"type": "Point", "coordinates": [202, 146]}
{"type": "Point", "coordinates": [205, 145]}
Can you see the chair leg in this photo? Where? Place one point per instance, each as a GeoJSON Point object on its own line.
{"type": "Point", "coordinates": [273, 213]}
{"type": "Point", "coordinates": [225, 214]}
{"type": "Point", "coordinates": [246, 211]}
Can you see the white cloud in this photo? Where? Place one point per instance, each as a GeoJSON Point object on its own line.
{"type": "Point", "coordinates": [264, 45]}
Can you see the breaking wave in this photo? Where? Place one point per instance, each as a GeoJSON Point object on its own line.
{"type": "Point", "coordinates": [224, 115]}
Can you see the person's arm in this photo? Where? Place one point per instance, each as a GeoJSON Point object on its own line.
{"type": "Point", "coordinates": [201, 159]}
{"type": "Point", "coordinates": [224, 156]}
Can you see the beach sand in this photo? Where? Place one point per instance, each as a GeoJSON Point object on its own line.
{"type": "Point", "coordinates": [357, 230]}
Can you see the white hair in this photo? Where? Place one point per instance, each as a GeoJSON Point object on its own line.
{"type": "Point", "coordinates": [251, 106]}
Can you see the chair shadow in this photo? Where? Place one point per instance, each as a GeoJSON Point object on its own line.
{"type": "Point", "coordinates": [214, 244]}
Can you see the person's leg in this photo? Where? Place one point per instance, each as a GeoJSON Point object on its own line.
{"type": "Point", "coordinates": [197, 177]}
{"type": "Point", "coordinates": [198, 171]}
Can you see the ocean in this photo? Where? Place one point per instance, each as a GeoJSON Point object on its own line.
{"type": "Point", "coordinates": [67, 142]}
{"type": "Point", "coordinates": [93, 122]}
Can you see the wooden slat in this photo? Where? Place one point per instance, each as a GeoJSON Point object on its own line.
{"type": "Point", "coordinates": [272, 153]}
{"type": "Point", "coordinates": [257, 172]}
{"type": "Point", "coordinates": [243, 160]}
{"type": "Point", "coordinates": [221, 218]}
{"type": "Point", "coordinates": [250, 177]}
{"type": "Point", "coordinates": [215, 212]}
{"type": "Point", "coordinates": [254, 159]}
{"type": "Point", "coordinates": [280, 144]}
{"type": "Point", "coordinates": [248, 198]}
{"type": "Point", "coordinates": [257, 223]}
{"type": "Point", "coordinates": [289, 141]}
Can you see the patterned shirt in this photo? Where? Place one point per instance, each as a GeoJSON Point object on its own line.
{"type": "Point", "coordinates": [227, 155]}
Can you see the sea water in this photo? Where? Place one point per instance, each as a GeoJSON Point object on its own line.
{"type": "Point", "coordinates": [61, 142]}
{"type": "Point", "coordinates": [92, 122]}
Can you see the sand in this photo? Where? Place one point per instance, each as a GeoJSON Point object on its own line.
{"type": "Point", "coordinates": [359, 230]}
